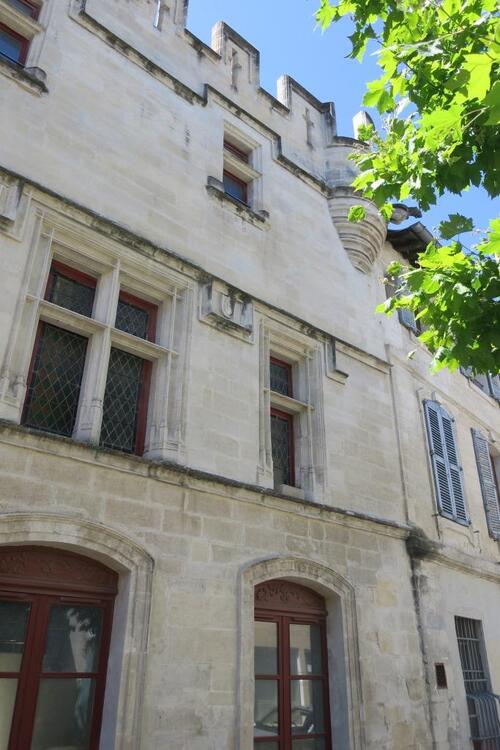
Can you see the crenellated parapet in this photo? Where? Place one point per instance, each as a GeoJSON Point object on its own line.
{"type": "Point", "coordinates": [302, 129]}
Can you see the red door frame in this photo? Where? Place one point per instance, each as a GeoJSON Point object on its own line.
{"type": "Point", "coordinates": [42, 595]}
{"type": "Point", "coordinates": [283, 620]}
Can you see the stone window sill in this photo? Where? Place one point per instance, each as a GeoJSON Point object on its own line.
{"type": "Point", "coordinates": [258, 218]}
{"type": "Point", "coordinates": [32, 79]}
{"type": "Point", "coordinates": [288, 491]}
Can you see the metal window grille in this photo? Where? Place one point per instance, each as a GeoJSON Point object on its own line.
{"type": "Point", "coordinates": [281, 377]}
{"type": "Point", "coordinates": [469, 646]}
{"type": "Point", "coordinates": [132, 319]}
{"type": "Point", "coordinates": [281, 442]}
{"type": "Point", "coordinates": [481, 703]}
{"type": "Point", "coordinates": [56, 376]}
{"type": "Point", "coordinates": [124, 386]}
{"type": "Point", "coordinates": [71, 294]}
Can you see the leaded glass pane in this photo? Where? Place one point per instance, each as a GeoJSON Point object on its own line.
{"type": "Point", "coordinates": [71, 294]}
{"type": "Point", "coordinates": [281, 378]}
{"type": "Point", "coordinates": [132, 319]}
{"type": "Point", "coordinates": [121, 401]}
{"type": "Point", "coordinates": [52, 397]}
{"type": "Point", "coordinates": [280, 441]}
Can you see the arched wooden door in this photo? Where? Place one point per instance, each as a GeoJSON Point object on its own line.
{"type": "Point", "coordinates": [56, 610]}
{"type": "Point", "coordinates": [291, 709]}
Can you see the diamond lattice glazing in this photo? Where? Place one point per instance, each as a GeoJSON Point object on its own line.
{"type": "Point", "coordinates": [54, 389]}
{"type": "Point", "coordinates": [132, 319]}
{"type": "Point", "coordinates": [121, 401]}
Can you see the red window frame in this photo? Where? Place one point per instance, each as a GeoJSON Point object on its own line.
{"type": "Point", "coordinates": [33, 7]}
{"type": "Point", "coordinates": [70, 273]}
{"type": "Point", "coordinates": [288, 367]}
{"type": "Point", "coordinates": [285, 416]}
{"type": "Point", "coordinates": [236, 151]}
{"type": "Point", "coordinates": [142, 409]}
{"type": "Point", "coordinates": [24, 47]}
{"type": "Point", "coordinates": [51, 577]}
{"type": "Point", "coordinates": [143, 402]}
{"type": "Point", "coordinates": [269, 609]}
{"type": "Point", "coordinates": [150, 308]}
{"type": "Point", "coordinates": [241, 183]}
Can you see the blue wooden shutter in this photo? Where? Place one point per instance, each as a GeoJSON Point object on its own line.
{"type": "Point", "coordinates": [454, 468]}
{"type": "Point", "coordinates": [446, 468]}
{"type": "Point", "coordinates": [488, 484]}
{"type": "Point", "coordinates": [495, 386]}
{"type": "Point", "coordinates": [407, 319]}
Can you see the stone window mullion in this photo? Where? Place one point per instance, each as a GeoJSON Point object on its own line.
{"type": "Point", "coordinates": [89, 416]}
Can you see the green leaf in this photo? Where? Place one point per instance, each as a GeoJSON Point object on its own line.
{"type": "Point", "coordinates": [479, 67]}
{"type": "Point", "coordinates": [387, 210]}
{"type": "Point", "coordinates": [356, 213]}
{"type": "Point", "coordinates": [455, 224]}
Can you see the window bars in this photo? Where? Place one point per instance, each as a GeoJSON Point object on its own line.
{"type": "Point", "coordinates": [481, 703]}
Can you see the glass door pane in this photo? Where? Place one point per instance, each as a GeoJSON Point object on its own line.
{"type": "Point", "coordinates": [305, 649]}
{"type": "Point", "coordinates": [73, 639]}
{"type": "Point", "coordinates": [266, 717]}
{"type": "Point", "coordinates": [266, 648]}
{"type": "Point", "coordinates": [8, 690]}
{"type": "Point", "coordinates": [13, 622]}
{"type": "Point", "coordinates": [307, 706]}
{"type": "Point", "coordinates": [63, 718]}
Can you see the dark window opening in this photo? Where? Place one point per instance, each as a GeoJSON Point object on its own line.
{"type": "Point", "coordinates": [282, 443]}
{"type": "Point", "coordinates": [125, 402]}
{"type": "Point", "coordinates": [71, 289]}
{"type": "Point", "coordinates": [136, 316]}
{"type": "Point", "coordinates": [441, 680]}
{"type": "Point", "coordinates": [281, 377]}
{"type": "Point", "coordinates": [244, 156]}
{"type": "Point", "coordinates": [55, 626]}
{"type": "Point", "coordinates": [291, 708]}
{"type": "Point", "coordinates": [54, 380]}
{"type": "Point", "coordinates": [235, 187]}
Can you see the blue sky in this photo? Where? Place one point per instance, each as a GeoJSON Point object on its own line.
{"type": "Point", "coordinates": [284, 32]}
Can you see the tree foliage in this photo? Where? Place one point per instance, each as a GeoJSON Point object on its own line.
{"type": "Point", "coordinates": [439, 96]}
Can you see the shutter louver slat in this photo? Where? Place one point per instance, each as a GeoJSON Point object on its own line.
{"type": "Point", "coordinates": [407, 319]}
{"type": "Point", "coordinates": [495, 386]}
{"type": "Point", "coordinates": [487, 481]}
{"type": "Point", "coordinates": [445, 464]}
{"type": "Point", "coordinates": [443, 491]}
{"type": "Point", "coordinates": [454, 468]}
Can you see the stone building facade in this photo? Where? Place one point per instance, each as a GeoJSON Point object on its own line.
{"type": "Point", "coordinates": [286, 454]}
